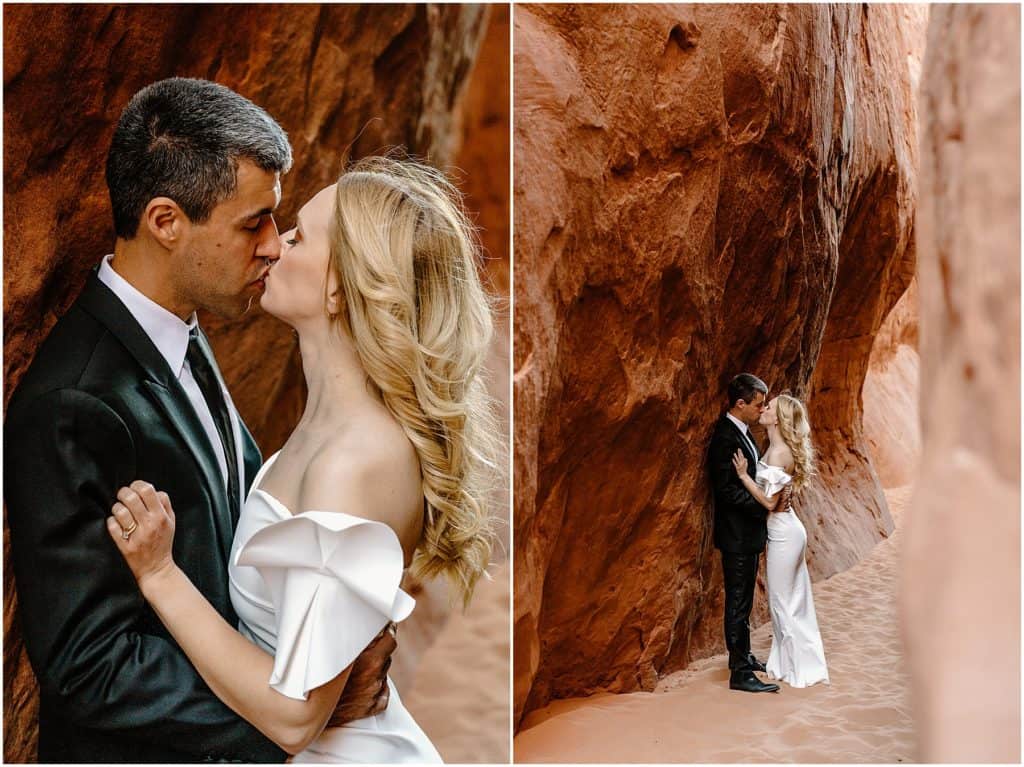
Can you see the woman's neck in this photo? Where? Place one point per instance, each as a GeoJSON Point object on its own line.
{"type": "Point", "coordinates": [774, 436]}
{"type": "Point", "coordinates": [336, 382]}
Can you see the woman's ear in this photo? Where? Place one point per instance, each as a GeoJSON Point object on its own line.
{"type": "Point", "coordinates": [335, 295]}
{"type": "Point", "coordinates": [334, 303]}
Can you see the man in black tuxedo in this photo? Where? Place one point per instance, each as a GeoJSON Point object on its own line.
{"type": "Point", "coordinates": [741, 530]}
{"type": "Point", "coordinates": [125, 387]}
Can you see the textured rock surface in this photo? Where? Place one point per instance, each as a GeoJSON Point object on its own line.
{"type": "Point", "coordinates": [961, 595]}
{"type": "Point", "coordinates": [340, 79]}
{"type": "Point", "coordinates": [891, 420]}
{"type": "Point", "coordinates": [699, 190]}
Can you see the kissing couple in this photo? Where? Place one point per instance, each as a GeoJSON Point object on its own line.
{"type": "Point", "coordinates": [753, 513]}
{"type": "Point", "coordinates": [181, 599]}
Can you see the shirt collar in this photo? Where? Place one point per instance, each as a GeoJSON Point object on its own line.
{"type": "Point", "coordinates": [742, 426]}
{"type": "Point", "coordinates": [167, 332]}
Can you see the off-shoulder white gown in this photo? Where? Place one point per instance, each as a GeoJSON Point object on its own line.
{"type": "Point", "coordinates": [797, 656]}
{"type": "Point", "coordinates": [314, 589]}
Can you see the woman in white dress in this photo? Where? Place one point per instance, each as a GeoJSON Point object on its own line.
{"type": "Point", "coordinates": [797, 656]}
{"type": "Point", "coordinates": [385, 468]}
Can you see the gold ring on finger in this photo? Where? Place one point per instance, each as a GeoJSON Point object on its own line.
{"type": "Point", "coordinates": [127, 533]}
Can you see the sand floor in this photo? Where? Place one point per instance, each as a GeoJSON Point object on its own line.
{"type": "Point", "coordinates": [692, 716]}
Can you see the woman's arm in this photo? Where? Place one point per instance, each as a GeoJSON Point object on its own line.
{"type": "Point", "coordinates": [99, 660]}
{"type": "Point", "coordinates": [722, 478]}
{"type": "Point", "coordinates": [235, 669]}
{"type": "Point", "coordinates": [769, 502]}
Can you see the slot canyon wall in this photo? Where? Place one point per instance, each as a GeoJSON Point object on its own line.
{"type": "Point", "coordinates": [699, 191]}
{"type": "Point", "coordinates": [961, 566]}
{"type": "Point", "coordinates": [340, 79]}
{"type": "Point", "coordinates": [891, 414]}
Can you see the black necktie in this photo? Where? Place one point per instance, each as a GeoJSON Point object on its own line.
{"type": "Point", "coordinates": [206, 377]}
{"type": "Point", "coordinates": [753, 447]}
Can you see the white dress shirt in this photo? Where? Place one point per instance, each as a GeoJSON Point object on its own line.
{"type": "Point", "coordinates": [745, 431]}
{"type": "Point", "coordinates": [170, 336]}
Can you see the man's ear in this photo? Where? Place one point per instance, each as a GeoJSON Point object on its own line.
{"type": "Point", "coordinates": [165, 221]}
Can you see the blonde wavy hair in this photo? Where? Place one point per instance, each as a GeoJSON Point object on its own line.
{"type": "Point", "coordinates": [795, 428]}
{"type": "Point", "coordinates": [406, 256]}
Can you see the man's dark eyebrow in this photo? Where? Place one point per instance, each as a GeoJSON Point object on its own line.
{"type": "Point", "coordinates": [258, 214]}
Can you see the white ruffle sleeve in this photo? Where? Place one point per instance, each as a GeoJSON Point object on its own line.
{"type": "Point", "coordinates": [772, 478]}
{"type": "Point", "coordinates": [334, 583]}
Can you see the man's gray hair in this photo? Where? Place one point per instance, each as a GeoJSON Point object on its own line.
{"type": "Point", "coordinates": [743, 386]}
{"type": "Point", "coordinates": [182, 138]}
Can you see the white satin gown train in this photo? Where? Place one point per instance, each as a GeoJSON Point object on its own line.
{"type": "Point", "coordinates": [797, 656]}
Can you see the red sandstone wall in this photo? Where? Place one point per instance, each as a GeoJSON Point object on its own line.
{"type": "Point", "coordinates": [699, 190]}
{"type": "Point", "coordinates": [892, 426]}
{"type": "Point", "coordinates": [336, 77]}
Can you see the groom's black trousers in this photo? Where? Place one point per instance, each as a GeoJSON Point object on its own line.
{"type": "Point", "coordinates": [740, 576]}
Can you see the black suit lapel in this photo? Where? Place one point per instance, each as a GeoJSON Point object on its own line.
{"type": "Point", "coordinates": [103, 304]}
{"type": "Point", "coordinates": [166, 391]}
{"type": "Point", "coordinates": [251, 458]}
{"type": "Point", "coordinates": [744, 441]}
{"type": "Point", "coordinates": [184, 419]}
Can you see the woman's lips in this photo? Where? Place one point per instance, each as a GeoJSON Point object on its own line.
{"type": "Point", "coordinates": [260, 283]}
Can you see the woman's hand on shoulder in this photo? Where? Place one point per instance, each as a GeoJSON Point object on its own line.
{"type": "Point", "coordinates": [142, 527]}
{"type": "Point", "coordinates": [739, 462]}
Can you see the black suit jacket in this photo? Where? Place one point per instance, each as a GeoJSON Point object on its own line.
{"type": "Point", "coordinates": [741, 523]}
{"type": "Point", "coordinates": [98, 408]}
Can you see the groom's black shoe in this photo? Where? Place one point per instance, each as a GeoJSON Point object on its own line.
{"type": "Point", "coordinates": [754, 664]}
{"type": "Point", "coordinates": [745, 663]}
{"type": "Point", "coordinates": [747, 682]}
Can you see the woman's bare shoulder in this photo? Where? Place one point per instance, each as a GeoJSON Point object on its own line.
{"type": "Point", "coordinates": [371, 473]}
{"type": "Point", "coordinates": [780, 455]}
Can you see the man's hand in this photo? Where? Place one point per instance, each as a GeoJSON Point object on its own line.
{"type": "Point", "coordinates": [366, 691]}
{"type": "Point", "coordinates": [784, 498]}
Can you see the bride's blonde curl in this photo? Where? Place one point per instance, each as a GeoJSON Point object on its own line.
{"type": "Point", "coordinates": [795, 428]}
{"type": "Point", "coordinates": [406, 257]}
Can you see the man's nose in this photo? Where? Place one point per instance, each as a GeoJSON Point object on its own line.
{"type": "Point", "coordinates": [270, 244]}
